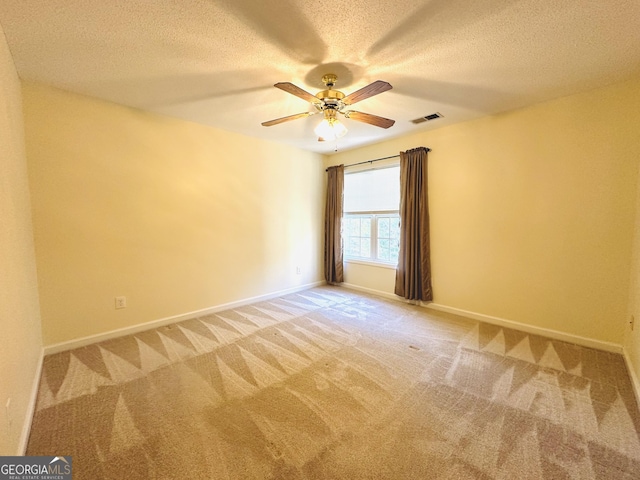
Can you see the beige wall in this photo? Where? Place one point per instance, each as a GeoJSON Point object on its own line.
{"type": "Point", "coordinates": [173, 215]}
{"type": "Point", "coordinates": [21, 342]}
{"type": "Point", "coordinates": [632, 337]}
{"type": "Point", "coordinates": [532, 212]}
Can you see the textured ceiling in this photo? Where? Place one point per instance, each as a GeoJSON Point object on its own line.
{"type": "Point", "coordinates": [214, 62]}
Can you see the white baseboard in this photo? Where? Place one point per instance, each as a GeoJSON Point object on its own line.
{"type": "Point", "coordinates": [503, 322]}
{"type": "Point", "coordinates": [31, 408]}
{"type": "Point", "coordinates": [545, 332]}
{"type": "Point", "coordinates": [390, 296]}
{"type": "Point", "coordinates": [120, 332]}
{"type": "Point", "coordinates": [634, 377]}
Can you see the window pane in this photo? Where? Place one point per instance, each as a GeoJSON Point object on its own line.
{"type": "Point", "coordinates": [353, 246]}
{"type": "Point", "coordinates": [365, 247]}
{"type": "Point", "coordinates": [346, 226]}
{"type": "Point", "coordinates": [394, 230]}
{"type": "Point", "coordinates": [357, 235]}
{"type": "Point", "coordinates": [383, 250]}
{"type": "Point", "coordinates": [383, 227]}
{"type": "Point", "coordinates": [394, 250]}
{"type": "Point", "coordinates": [394, 245]}
{"type": "Point", "coordinates": [365, 227]}
{"type": "Point", "coordinates": [354, 226]}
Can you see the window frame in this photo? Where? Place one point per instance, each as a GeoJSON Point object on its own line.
{"type": "Point", "coordinates": [373, 259]}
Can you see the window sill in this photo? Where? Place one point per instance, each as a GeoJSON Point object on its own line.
{"type": "Point", "coordinates": [370, 263]}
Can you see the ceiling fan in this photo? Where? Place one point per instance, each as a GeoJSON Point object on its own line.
{"type": "Point", "coordinates": [330, 103]}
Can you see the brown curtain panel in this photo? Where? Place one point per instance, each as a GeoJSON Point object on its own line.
{"type": "Point", "coordinates": [333, 270]}
{"type": "Point", "coordinates": [413, 276]}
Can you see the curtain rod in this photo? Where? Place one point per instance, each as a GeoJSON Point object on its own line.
{"type": "Point", "coordinates": [374, 160]}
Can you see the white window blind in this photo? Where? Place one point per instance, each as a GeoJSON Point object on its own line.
{"type": "Point", "coordinates": [372, 190]}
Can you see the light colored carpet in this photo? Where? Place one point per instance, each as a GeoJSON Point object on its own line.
{"type": "Point", "coordinates": [332, 384]}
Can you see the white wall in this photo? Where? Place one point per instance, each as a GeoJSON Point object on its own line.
{"type": "Point", "coordinates": [20, 341]}
{"type": "Point", "coordinates": [532, 212]}
{"type": "Point", "coordinates": [175, 216]}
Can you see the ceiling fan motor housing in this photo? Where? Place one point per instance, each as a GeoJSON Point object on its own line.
{"type": "Point", "coordinates": [330, 99]}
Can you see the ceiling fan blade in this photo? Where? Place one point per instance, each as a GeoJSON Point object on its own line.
{"type": "Point", "coordinates": [370, 119]}
{"type": "Point", "coordinates": [286, 119]}
{"type": "Point", "coordinates": [297, 91]}
{"type": "Point", "coordinates": [365, 92]}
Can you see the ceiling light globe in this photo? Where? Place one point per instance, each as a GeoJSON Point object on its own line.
{"type": "Point", "coordinates": [330, 129]}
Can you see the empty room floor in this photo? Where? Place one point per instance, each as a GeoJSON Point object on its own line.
{"type": "Point", "coordinates": [329, 383]}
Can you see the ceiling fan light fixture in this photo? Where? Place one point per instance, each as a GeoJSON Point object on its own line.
{"type": "Point", "coordinates": [330, 129]}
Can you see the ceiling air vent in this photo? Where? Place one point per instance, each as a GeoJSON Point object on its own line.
{"type": "Point", "coordinates": [426, 118]}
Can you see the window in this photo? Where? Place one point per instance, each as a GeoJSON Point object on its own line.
{"type": "Point", "coordinates": [371, 224]}
{"type": "Point", "coordinates": [372, 236]}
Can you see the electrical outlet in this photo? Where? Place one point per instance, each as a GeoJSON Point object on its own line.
{"type": "Point", "coordinates": [298, 270]}
{"type": "Point", "coordinates": [632, 322]}
{"type": "Point", "coordinates": [121, 302]}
